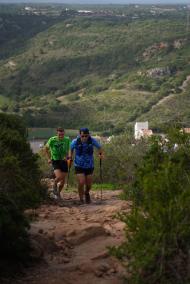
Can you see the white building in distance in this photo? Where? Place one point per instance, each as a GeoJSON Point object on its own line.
{"type": "Point", "coordinates": [141, 130]}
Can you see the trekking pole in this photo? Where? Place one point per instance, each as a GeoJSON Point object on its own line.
{"type": "Point", "coordinates": [101, 178]}
{"type": "Point", "coordinates": [69, 169]}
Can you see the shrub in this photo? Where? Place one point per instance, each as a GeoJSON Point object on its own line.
{"type": "Point", "coordinates": [121, 156]}
{"type": "Point", "coordinates": [158, 227]}
{"type": "Point", "coordinates": [19, 188]}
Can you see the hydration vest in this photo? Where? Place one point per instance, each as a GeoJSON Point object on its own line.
{"type": "Point", "coordinates": [80, 147]}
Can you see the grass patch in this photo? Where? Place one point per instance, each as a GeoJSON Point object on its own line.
{"type": "Point", "coordinates": [104, 186]}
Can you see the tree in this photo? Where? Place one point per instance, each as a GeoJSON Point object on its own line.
{"type": "Point", "coordinates": [19, 189]}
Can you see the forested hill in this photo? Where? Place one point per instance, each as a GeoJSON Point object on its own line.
{"type": "Point", "coordinates": [105, 68]}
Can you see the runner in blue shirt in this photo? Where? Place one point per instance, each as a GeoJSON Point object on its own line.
{"type": "Point", "coordinates": [83, 146]}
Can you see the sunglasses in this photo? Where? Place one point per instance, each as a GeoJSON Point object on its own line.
{"type": "Point", "coordinates": [82, 136]}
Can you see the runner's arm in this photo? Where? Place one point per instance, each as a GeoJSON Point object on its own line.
{"type": "Point", "coordinates": [98, 147]}
{"type": "Point", "coordinates": [71, 150]}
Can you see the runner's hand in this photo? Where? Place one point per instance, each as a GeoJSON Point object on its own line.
{"type": "Point", "coordinates": [100, 155]}
{"type": "Point", "coordinates": [69, 162]}
{"type": "Point", "coordinates": [49, 161]}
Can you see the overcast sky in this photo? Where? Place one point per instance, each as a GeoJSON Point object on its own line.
{"type": "Point", "coordinates": [101, 1]}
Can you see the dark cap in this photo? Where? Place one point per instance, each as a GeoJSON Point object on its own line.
{"type": "Point", "coordinates": [60, 129]}
{"type": "Point", "coordinates": [84, 130]}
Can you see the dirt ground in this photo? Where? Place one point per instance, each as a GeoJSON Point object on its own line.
{"type": "Point", "coordinates": [72, 241]}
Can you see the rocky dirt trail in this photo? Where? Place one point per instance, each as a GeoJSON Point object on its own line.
{"type": "Point", "coordinates": [72, 240]}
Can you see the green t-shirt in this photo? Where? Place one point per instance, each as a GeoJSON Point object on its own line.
{"type": "Point", "coordinates": [59, 148]}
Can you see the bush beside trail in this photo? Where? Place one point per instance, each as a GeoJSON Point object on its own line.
{"type": "Point", "coordinates": [157, 232]}
{"type": "Point", "coordinates": [19, 189]}
{"type": "Point", "coordinates": [121, 157]}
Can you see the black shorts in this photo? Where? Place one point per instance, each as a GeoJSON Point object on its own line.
{"type": "Point", "coordinates": [60, 165]}
{"type": "Point", "coordinates": [86, 172]}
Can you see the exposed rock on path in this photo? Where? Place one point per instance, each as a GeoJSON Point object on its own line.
{"type": "Point", "coordinates": [72, 241]}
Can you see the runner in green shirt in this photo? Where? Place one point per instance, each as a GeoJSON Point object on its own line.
{"type": "Point", "coordinates": [57, 150]}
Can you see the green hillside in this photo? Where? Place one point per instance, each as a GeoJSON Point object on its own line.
{"type": "Point", "coordinates": [96, 70]}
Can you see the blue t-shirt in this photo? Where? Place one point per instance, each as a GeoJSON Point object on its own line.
{"type": "Point", "coordinates": [85, 158]}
